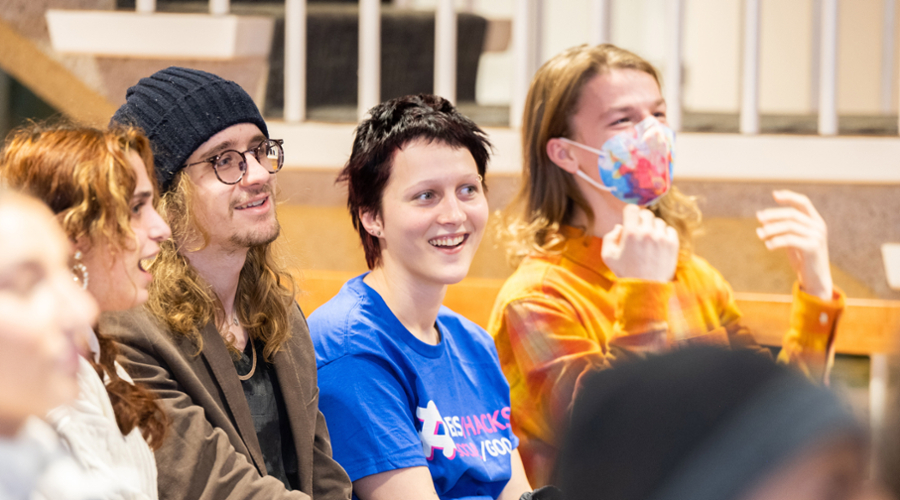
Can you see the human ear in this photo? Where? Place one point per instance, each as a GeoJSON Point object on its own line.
{"type": "Point", "coordinates": [371, 222]}
{"type": "Point", "coordinates": [560, 153]}
{"type": "Point", "coordinates": [82, 244]}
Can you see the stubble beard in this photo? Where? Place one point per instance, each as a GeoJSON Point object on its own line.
{"type": "Point", "coordinates": [257, 237]}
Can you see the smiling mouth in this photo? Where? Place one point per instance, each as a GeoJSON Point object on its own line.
{"type": "Point", "coordinates": [448, 241]}
{"type": "Point", "coordinates": [253, 204]}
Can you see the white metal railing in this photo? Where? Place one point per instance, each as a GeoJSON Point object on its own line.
{"type": "Point", "coordinates": [828, 36]}
{"type": "Point", "coordinates": [887, 54]}
{"type": "Point", "coordinates": [527, 56]}
{"type": "Point", "coordinates": [295, 60]}
{"type": "Point", "coordinates": [750, 75]}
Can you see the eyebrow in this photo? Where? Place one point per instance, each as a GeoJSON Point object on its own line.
{"type": "Point", "coordinates": [625, 109]}
{"type": "Point", "coordinates": [142, 196]}
{"type": "Point", "coordinates": [230, 144]}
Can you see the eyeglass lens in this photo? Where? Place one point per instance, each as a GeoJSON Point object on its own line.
{"type": "Point", "coordinates": [231, 165]}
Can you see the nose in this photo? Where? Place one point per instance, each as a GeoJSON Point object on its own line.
{"type": "Point", "coordinates": [256, 173]}
{"type": "Point", "coordinates": [451, 211]}
{"type": "Point", "coordinates": [158, 229]}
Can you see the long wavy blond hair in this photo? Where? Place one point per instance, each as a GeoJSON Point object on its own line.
{"type": "Point", "coordinates": [85, 177]}
{"type": "Point", "coordinates": [184, 301]}
{"type": "Point", "coordinates": [549, 195]}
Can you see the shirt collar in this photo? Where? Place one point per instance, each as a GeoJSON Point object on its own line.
{"type": "Point", "coordinates": [585, 250]}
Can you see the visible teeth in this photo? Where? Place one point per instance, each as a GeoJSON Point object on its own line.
{"type": "Point", "coordinates": [447, 241]}
{"type": "Point", "coordinates": [254, 204]}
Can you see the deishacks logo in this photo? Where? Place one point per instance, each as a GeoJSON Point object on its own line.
{"type": "Point", "coordinates": [438, 432]}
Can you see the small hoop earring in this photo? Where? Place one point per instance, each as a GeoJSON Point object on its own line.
{"type": "Point", "coordinates": [79, 271]}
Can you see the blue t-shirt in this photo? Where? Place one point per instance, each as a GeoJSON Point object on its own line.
{"type": "Point", "coordinates": [392, 401]}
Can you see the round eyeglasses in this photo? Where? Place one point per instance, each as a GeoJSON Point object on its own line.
{"type": "Point", "coordinates": [230, 166]}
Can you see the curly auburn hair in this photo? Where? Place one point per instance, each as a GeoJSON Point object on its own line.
{"type": "Point", "coordinates": [84, 176]}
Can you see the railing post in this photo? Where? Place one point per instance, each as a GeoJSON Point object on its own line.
{"type": "Point", "coordinates": [750, 77]}
{"type": "Point", "coordinates": [219, 7]}
{"type": "Point", "coordinates": [828, 121]}
{"type": "Point", "coordinates": [673, 64]}
{"type": "Point", "coordinates": [526, 55]}
{"type": "Point", "coordinates": [879, 372]}
{"type": "Point", "coordinates": [815, 56]}
{"type": "Point", "coordinates": [888, 32]}
{"type": "Point", "coordinates": [369, 92]}
{"type": "Point", "coordinates": [145, 6]}
{"type": "Point", "coordinates": [295, 60]}
{"type": "Point", "coordinates": [445, 34]}
{"type": "Point", "coordinates": [600, 21]}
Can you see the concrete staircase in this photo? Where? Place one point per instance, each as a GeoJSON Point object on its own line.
{"type": "Point", "coordinates": [89, 88]}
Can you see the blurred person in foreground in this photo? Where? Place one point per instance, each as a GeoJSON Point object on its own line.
{"type": "Point", "coordinates": [102, 188]}
{"type": "Point", "coordinates": [43, 315]}
{"type": "Point", "coordinates": [602, 240]}
{"type": "Point", "coordinates": [708, 424]}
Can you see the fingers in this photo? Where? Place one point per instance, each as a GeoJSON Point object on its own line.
{"type": "Point", "coordinates": [642, 247]}
{"type": "Point", "coordinates": [792, 242]}
{"type": "Point", "coordinates": [614, 236]}
{"type": "Point", "coordinates": [772, 229]}
{"type": "Point", "coordinates": [631, 215]}
{"type": "Point", "coordinates": [796, 200]}
{"type": "Point", "coordinates": [672, 235]}
{"type": "Point", "coordinates": [612, 245]}
{"type": "Point", "coordinates": [641, 223]}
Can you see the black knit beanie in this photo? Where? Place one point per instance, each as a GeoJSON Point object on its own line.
{"type": "Point", "coordinates": [179, 109]}
{"type": "Point", "coordinates": [699, 424]}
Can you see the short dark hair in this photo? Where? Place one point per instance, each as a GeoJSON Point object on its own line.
{"type": "Point", "coordinates": [390, 126]}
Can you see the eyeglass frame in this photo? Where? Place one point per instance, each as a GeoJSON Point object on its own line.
{"type": "Point", "coordinates": [255, 151]}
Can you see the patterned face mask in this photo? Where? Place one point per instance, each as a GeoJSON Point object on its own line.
{"type": "Point", "coordinates": [635, 166]}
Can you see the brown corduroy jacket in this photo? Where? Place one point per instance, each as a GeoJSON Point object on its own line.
{"type": "Point", "coordinates": [211, 450]}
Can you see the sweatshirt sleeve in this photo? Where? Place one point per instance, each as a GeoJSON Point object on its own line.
{"type": "Point", "coordinates": [809, 343]}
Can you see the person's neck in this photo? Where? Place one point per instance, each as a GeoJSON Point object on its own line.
{"type": "Point", "coordinates": [414, 303]}
{"type": "Point", "coordinates": [221, 268]}
{"type": "Point", "coordinates": [606, 207]}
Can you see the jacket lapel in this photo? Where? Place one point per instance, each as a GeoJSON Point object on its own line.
{"type": "Point", "coordinates": [294, 363]}
{"type": "Point", "coordinates": [222, 366]}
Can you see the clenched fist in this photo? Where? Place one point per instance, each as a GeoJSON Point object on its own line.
{"type": "Point", "coordinates": [642, 247]}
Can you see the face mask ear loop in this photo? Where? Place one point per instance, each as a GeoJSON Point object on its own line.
{"type": "Point", "coordinates": [583, 175]}
{"type": "Point", "coordinates": [582, 146]}
{"type": "Point", "coordinates": [592, 182]}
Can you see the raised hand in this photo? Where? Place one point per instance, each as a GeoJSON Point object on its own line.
{"type": "Point", "coordinates": [642, 247]}
{"type": "Point", "coordinates": [797, 227]}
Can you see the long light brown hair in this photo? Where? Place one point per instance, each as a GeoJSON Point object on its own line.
{"type": "Point", "coordinates": [184, 301]}
{"type": "Point", "coordinates": [549, 195]}
{"type": "Point", "coordinates": [85, 177]}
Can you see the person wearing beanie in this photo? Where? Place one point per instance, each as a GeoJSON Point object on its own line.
{"type": "Point", "coordinates": [709, 424]}
{"type": "Point", "coordinates": [221, 340]}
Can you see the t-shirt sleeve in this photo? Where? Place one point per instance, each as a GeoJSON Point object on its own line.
{"type": "Point", "coordinates": [369, 410]}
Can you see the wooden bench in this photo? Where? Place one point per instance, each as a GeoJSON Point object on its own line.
{"type": "Point", "coordinates": [867, 326]}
